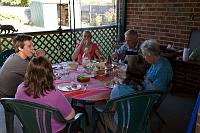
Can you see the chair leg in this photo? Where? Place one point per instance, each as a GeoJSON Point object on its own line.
{"type": "Point", "coordinates": [159, 116]}
{"type": "Point", "coordinates": [94, 120]}
{"type": "Point", "coordinates": [9, 117]}
{"type": "Point", "coordinates": [83, 123]}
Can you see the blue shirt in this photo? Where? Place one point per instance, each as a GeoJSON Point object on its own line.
{"type": "Point", "coordinates": [160, 74]}
{"type": "Point", "coordinates": [121, 90]}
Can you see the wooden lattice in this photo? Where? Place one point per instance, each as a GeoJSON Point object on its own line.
{"type": "Point", "coordinates": [59, 45]}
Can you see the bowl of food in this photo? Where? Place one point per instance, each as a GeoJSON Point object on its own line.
{"type": "Point", "coordinates": [83, 78]}
{"type": "Point", "coordinates": [73, 65]}
{"type": "Point", "coordinates": [100, 65]}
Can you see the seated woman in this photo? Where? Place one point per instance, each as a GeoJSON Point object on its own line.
{"type": "Point", "coordinates": [86, 43]}
{"type": "Point", "coordinates": [133, 82]}
{"type": "Point", "coordinates": [38, 87]}
{"type": "Point", "coordinates": [160, 72]}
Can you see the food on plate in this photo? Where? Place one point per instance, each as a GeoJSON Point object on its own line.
{"type": "Point", "coordinates": [101, 65]}
{"type": "Point", "coordinates": [73, 65]}
{"type": "Point", "coordinates": [83, 78]}
{"type": "Point", "coordinates": [112, 83]}
{"type": "Point", "coordinates": [74, 85]}
{"type": "Point", "coordinates": [69, 86]}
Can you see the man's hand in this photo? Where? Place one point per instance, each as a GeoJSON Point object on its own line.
{"type": "Point", "coordinates": [40, 53]}
{"type": "Point", "coordinates": [114, 56]}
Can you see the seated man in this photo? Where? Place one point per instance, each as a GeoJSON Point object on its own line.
{"type": "Point", "coordinates": [91, 47]}
{"type": "Point", "coordinates": [130, 47]}
{"type": "Point", "coordinates": [160, 72]}
{"type": "Point", "coordinates": [13, 70]}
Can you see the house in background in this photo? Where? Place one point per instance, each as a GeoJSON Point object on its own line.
{"type": "Point", "coordinates": [51, 14]}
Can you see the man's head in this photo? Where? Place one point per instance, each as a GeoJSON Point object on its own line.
{"type": "Point", "coordinates": [23, 45]}
{"type": "Point", "coordinates": [150, 50]}
{"type": "Point", "coordinates": [131, 38]}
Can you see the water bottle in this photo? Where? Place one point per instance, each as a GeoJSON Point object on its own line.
{"type": "Point", "coordinates": [85, 57]}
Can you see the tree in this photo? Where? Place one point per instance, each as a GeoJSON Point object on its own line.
{"type": "Point", "coordinates": [16, 2]}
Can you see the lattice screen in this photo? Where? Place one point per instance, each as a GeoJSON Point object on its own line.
{"type": "Point", "coordinates": [60, 46]}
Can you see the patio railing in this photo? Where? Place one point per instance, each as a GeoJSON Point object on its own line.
{"type": "Point", "coordinates": [59, 45]}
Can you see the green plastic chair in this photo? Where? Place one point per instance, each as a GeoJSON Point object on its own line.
{"type": "Point", "coordinates": [35, 118]}
{"type": "Point", "coordinates": [4, 55]}
{"type": "Point", "coordinates": [133, 111]}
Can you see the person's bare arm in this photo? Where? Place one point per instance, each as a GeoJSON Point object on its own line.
{"type": "Point", "coordinates": [71, 115]}
{"type": "Point", "coordinates": [77, 51]}
{"type": "Point", "coordinates": [99, 54]}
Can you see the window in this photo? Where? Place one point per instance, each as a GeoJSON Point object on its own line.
{"type": "Point", "coordinates": [40, 15]}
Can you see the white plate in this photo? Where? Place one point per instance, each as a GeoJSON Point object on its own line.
{"type": "Point", "coordinates": [57, 67]}
{"type": "Point", "coordinates": [69, 87]}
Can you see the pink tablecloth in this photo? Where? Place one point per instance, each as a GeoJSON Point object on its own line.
{"type": "Point", "coordinates": [95, 91]}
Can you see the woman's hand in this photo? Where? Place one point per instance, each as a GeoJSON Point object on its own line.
{"type": "Point", "coordinates": [85, 42]}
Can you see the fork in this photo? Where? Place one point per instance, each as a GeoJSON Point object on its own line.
{"type": "Point", "coordinates": [85, 86]}
{"type": "Point", "coordinates": [69, 88]}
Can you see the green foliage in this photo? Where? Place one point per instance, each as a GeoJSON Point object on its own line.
{"type": "Point", "coordinates": [8, 16]}
{"type": "Point", "coordinates": [93, 22]}
{"type": "Point", "coordinates": [16, 2]}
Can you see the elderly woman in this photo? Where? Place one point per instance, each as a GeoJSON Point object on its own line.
{"type": "Point", "coordinates": [160, 72]}
{"type": "Point", "coordinates": [91, 46]}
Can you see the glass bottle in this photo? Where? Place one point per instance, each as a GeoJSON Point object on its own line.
{"type": "Point", "coordinates": [109, 60]}
{"type": "Point", "coordinates": [109, 66]}
{"type": "Point", "coordinates": [86, 57]}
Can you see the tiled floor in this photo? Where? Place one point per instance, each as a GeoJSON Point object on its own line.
{"type": "Point", "coordinates": [176, 110]}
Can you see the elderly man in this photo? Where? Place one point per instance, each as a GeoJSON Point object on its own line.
{"type": "Point", "coordinates": [160, 72]}
{"type": "Point", "coordinates": [130, 47]}
{"type": "Point", "coordinates": [13, 70]}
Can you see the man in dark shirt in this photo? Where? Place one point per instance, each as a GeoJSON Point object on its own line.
{"type": "Point", "coordinates": [13, 70]}
{"type": "Point", "coordinates": [130, 47]}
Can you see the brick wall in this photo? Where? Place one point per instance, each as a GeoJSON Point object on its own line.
{"type": "Point", "coordinates": [169, 22]}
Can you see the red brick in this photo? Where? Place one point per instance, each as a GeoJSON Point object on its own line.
{"type": "Point", "coordinates": [170, 20]}
{"type": "Point", "coordinates": [164, 30]}
{"type": "Point", "coordinates": [170, 26]}
{"type": "Point", "coordinates": [181, 36]}
{"type": "Point", "coordinates": [170, 35]}
{"type": "Point", "coordinates": [183, 27]}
